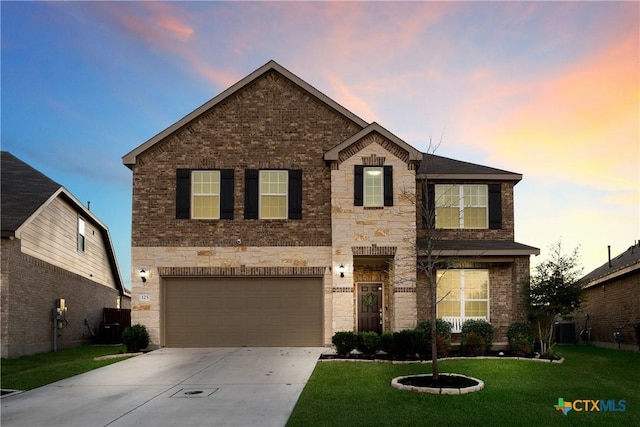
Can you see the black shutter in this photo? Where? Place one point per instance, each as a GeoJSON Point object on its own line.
{"type": "Point", "coordinates": [251, 194]}
{"type": "Point", "coordinates": [495, 206]}
{"type": "Point", "coordinates": [358, 185]}
{"type": "Point", "coordinates": [183, 193]}
{"type": "Point", "coordinates": [226, 194]}
{"type": "Point", "coordinates": [295, 194]}
{"type": "Point", "coordinates": [388, 186]}
{"type": "Point", "coordinates": [429, 206]}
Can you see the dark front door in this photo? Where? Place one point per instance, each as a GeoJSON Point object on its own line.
{"type": "Point", "coordinates": [370, 307]}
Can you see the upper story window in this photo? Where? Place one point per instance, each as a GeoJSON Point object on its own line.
{"type": "Point", "coordinates": [461, 206]}
{"type": "Point", "coordinates": [205, 192]}
{"type": "Point", "coordinates": [273, 194]}
{"type": "Point", "coordinates": [274, 186]}
{"type": "Point", "coordinates": [373, 190]}
{"type": "Point", "coordinates": [81, 235]}
{"type": "Point", "coordinates": [373, 186]}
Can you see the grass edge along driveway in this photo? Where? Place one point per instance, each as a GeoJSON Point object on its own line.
{"type": "Point", "coordinates": [517, 392]}
{"type": "Point", "coordinates": [36, 370]}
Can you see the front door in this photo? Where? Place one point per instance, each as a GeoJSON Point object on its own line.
{"type": "Point", "coordinates": [370, 307]}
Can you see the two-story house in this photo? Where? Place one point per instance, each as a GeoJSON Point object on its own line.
{"type": "Point", "coordinates": [273, 216]}
{"type": "Point", "coordinates": [54, 253]}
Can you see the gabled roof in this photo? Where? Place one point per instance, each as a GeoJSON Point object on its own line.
{"type": "Point", "coordinates": [625, 263]}
{"type": "Point", "coordinates": [334, 153]}
{"type": "Point", "coordinates": [130, 158]}
{"type": "Point", "coordinates": [25, 191]}
{"type": "Point", "coordinates": [438, 167]}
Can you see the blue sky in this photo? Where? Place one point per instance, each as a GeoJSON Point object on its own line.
{"type": "Point", "coordinates": [547, 89]}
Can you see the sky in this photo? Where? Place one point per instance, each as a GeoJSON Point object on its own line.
{"type": "Point", "coordinates": [550, 90]}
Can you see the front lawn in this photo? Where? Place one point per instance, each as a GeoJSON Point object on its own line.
{"type": "Point", "coordinates": [516, 392]}
{"type": "Point", "coordinates": [27, 372]}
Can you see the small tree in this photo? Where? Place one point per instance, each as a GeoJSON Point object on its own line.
{"type": "Point", "coordinates": [554, 291]}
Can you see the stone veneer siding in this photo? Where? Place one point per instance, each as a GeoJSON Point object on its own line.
{"type": "Point", "coordinates": [386, 227]}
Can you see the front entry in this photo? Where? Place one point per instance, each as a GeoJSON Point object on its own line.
{"type": "Point", "coordinates": [370, 307]}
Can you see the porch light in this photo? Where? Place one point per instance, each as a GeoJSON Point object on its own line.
{"type": "Point", "coordinates": [143, 275]}
{"type": "Point", "coordinates": [342, 269]}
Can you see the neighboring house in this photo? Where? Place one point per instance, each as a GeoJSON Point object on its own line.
{"type": "Point", "coordinates": [52, 248]}
{"type": "Point", "coordinates": [612, 300]}
{"type": "Point", "coordinates": [273, 216]}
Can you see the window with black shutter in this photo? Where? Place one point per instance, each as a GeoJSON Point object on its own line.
{"type": "Point", "coordinates": [495, 206]}
{"type": "Point", "coordinates": [273, 194]}
{"type": "Point", "coordinates": [251, 194]}
{"type": "Point", "coordinates": [295, 194]}
{"type": "Point", "coordinates": [373, 186]}
{"type": "Point", "coordinates": [204, 194]}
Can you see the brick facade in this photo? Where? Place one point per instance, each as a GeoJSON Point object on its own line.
{"type": "Point", "coordinates": [612, 304]}
{"type": "Point", "coordinates": [506, 232]}
{"type": "Point", "coordinates": [273, 120]}
{"type": "Point", "coordinates": [243, 132]}
{"type": "Point", "coordinates": [506, 302]}
{"type": "Point", "coordinates": [29, 289]}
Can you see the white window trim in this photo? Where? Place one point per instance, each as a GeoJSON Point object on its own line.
{"type": "Point", "coordinates": [459, 320]}
{"type": "Point", "coordinates": [260, 194]}
{"type": "Point", "coordinates": [193, 194]}
{"type": "Point", "coordinates": [461, 207]}
{"type": "Point", "coordinates": [380, 169]}
{"type": "Point", "coordinates": [81, 243]}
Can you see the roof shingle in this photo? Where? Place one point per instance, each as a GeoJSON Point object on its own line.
{"type": "Point", "coordinates": [23, 190]}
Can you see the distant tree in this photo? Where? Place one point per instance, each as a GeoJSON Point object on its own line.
{"type": "Point", "coordinates": [554, 292]}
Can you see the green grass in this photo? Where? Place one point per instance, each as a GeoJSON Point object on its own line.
{"type": "Point", "coordinates": [27, 372]}
{"type": "Point", "coordinates": [516, 392]}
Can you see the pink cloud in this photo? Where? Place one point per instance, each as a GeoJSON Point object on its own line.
{"type": "Point", "coordinates": [576, 123]}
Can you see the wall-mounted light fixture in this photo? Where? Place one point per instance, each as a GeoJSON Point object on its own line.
{"type": "Point", "coordinates": [143, 275]}
{"type": "Point", "coordinates": [342, 269]}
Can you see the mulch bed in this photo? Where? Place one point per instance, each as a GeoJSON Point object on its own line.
{"type": "Point", "coordinates": [443, 381]}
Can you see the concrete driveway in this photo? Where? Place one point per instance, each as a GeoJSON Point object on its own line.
{"type": "Point", "coordinates": [174, 387]}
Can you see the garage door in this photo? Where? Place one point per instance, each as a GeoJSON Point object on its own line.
{"type": "Point", "coordinates": [219, 312]}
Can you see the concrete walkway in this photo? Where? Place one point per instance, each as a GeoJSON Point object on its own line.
{"type": "Point", "coordinates": [173, 387]}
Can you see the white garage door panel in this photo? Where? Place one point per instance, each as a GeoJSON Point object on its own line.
{"type": "Point", "coordinates": [208, 312]}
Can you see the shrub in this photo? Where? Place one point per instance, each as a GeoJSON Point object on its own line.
{"type": "Point", "coordinates": [368, 343]}
{"type": "Point", "coordinates": [442, 346]}
{"type": "Point", "coordinates": [135, 338]}
{"type": "Point", "coordinates": [520, 338]}
{"type": "Point", "coordinates": [386, 342]}
{"type": "Point", "coordinates": [405, 344]}
{"type": "Point", "coordinates": [345, 342]}
{"type": "Point", "coordinates": [443, 338]}
{"type": "Point", "coordinates": [483, 332]}
{"type": "Point", "coordinates": [474, 345]}
{"type": "Point", "coordinates": [443, 328]}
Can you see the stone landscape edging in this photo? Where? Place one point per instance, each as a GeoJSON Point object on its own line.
{"type": "Point", "coordinates": [402, 362]}
{"type": "Point", "coordinates": [438, 390]}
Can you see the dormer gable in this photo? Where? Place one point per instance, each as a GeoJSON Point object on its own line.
{"type": "Point", "coordinates": [373, 133]}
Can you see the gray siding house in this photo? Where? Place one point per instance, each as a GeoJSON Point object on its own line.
{"type": "Point", "coordinates": [52, 248]}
